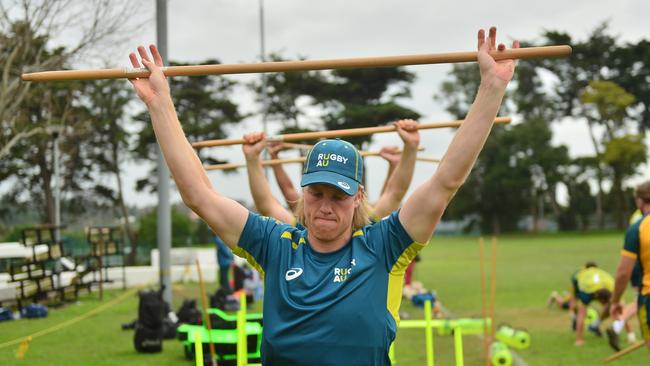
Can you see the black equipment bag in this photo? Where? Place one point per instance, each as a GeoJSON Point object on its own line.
{"type": "Point", "coordinates": [148, 340]}
{"type": "Point", "coordinates": [149, 327]}
{"type": "Point", "coordinates": [189, 313]}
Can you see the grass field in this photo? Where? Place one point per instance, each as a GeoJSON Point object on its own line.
{"type": "Point", "coordinates": [528, 269]}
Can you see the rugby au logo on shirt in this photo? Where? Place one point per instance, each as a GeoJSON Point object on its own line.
{"type": "Point", "coordinates": [324, 159]}
{"type": "Point", "coordinates": [341, 274]}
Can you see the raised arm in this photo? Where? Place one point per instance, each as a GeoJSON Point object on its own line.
{"type": "Point", "coordinates": [392, 155]}
{"type": "Point", "coordinates": [423, 209]}
{"type": "Point", "coordinates": [400, 178]}
{"type": "Point", "coordinates": [265, 203]}
{"type": "Point", "coordinates": [190, 177]}
{"type": "Point", "coordinates": [289, 192]}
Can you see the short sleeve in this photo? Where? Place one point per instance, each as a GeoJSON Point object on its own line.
{"type": "Point", "coordinates": [389, 239]}
{"type": "Point", "coordinates": [632, 241]}
{"type": "Point", "coordinates": [256, 243]}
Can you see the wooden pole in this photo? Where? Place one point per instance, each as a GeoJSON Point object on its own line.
{"type": "Point", "coordinates": [100, 258]}
{"type": "Point", "coordinates": [300, 159]}
{"type": "Point", "coordinates": [206, 315]}
{"type": "Point", "coordinates": [624, 352]}
{"type": "Point", "coordinates": [289, 145]}
{"type": "Point", "coordinates": [427, 159]}
{"type": "Point", "coordinates": [304, 65]}
{"type": "Point", "coordinates": [351, 132]}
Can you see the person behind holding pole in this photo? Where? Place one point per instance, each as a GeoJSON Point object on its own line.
{"type": "Point", "coordinates": [327, 285]}
{"type": "Point", "coordinates": [285, 184]}
{"type": "Point", "coordinates": [392, 155]}
{"type": "Point", "coordinates": [636, 248]}
{"type": "Point", "coordinates": [398, 180]}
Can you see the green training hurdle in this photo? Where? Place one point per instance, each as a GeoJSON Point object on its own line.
{"type": "Point", "coordinates": [225, 340]}
{"type": "Point", "coordinates": [242, 358]}
{"type": "Point", "coordinates": [198, 349]}
{"type": "Point", "coordinates": [237, 337]}
{"type": "Point", "coordinates": [457, 327]}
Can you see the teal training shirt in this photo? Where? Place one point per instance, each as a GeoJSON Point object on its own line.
{"type": "Point", "coordinates": [325, 308]}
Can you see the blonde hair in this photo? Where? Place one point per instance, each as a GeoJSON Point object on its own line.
{"type": "Point", "coordinates": [360, 218]}
{"type": "Point", "coordinates": [642, 191]}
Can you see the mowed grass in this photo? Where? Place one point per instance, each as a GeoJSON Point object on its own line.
{"type": "Point", "coordinates": [528, 269]}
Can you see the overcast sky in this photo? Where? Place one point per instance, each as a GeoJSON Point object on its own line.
{"type": "Point", "coordinates": [229, 31]}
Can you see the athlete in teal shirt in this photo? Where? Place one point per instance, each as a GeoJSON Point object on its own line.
{"type": "Point", "coordinates": [325, 308]}
{"type": "Point", "coordinates": [332, 306]}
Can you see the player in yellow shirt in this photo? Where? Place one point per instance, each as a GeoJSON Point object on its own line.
{"type": "Point", "coordinates": [589, 284]}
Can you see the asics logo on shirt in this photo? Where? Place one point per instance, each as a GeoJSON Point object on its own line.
{"type": "Point", "coordinates": [292, 274]}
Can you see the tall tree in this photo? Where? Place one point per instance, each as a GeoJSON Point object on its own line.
{"type": "Point", "coordinates": [538, 108]}
{"type": "Point", "coordinates": [31, 165]}
{"type": "Point", "coordinates": [630, 67]}
{"type": "Point", "coordinates": [606, 104]}
{"type": "Point", "coordinates": [349, 98]}
{"type": "Point", "coordinates": [623, 155]}
{"type": "Point", "coordinates": [581, 203]}
{"type": "Point", "coordinates": [357, 98]}
{"type": "Point", "coordinates": [600, 58]}
{"type": "Point", "coordinates": [288, 95]}
{"type": "Point", "coordinates": [107, 145]}
{"type": "Point", "coordinates": [27, 30]}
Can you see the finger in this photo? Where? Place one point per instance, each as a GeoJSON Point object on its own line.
{"type": "Point", "coordinates": [143, 53]}
{"type": "Point", "coordinates": [501, 47]}
{"type": "Point", "coordinates": [515, 44]}
{"type": "Point", "coordinates": [493, 37]}
{"type": "Point", "coordinates": [410, 124]}
{"type": "Point", "coordinates": [157, 58]}
{"type": "Point", "coordinates": [257, 137]}
{"type": "Point", "coordinates": [134, 60]}
{"type": "Point", "coordinates": [481, 38]}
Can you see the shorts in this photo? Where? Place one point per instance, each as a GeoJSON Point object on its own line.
{"type": "Point", "coordinates": [644, 315]}
{"type": "Point", "coordinates": [584, 297]}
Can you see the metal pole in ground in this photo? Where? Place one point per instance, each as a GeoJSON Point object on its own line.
{"type": "Point", "coordinates": [458, 345]}
{"type": "Point", "coordinates": [164, 224]}
{"type": "Point", "coordinates": [428, 329]}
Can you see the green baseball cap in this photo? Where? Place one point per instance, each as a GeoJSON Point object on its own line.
{"type": "Point", "coordinates": [336, 163]}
